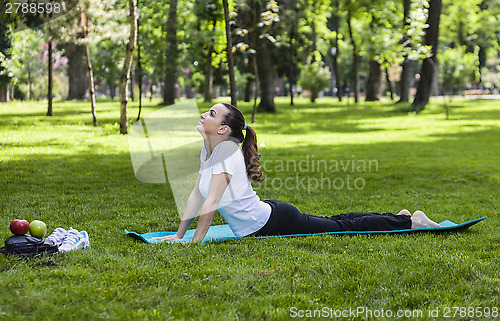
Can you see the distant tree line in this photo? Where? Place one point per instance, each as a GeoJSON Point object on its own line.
{"type": "Point", "coordinates": [363, 49]}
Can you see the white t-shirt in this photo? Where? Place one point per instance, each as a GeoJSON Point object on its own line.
{"type": "Point", "coordinates": [240, 206]}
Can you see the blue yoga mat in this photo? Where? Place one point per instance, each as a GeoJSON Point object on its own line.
{"type": "Point", "coordinates": [219, 233]}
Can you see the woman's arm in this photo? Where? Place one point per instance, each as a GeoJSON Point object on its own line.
{"type": "Point", "coordinates": [218, 185]}
{"type": "Point", "coordinates": [193, 206]}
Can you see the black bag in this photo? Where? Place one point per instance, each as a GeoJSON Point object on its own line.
{"type": "Point", "coordinates": [27, 245]}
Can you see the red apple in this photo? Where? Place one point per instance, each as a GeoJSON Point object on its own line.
{"type": "Point", "coordinates": [19, 227]}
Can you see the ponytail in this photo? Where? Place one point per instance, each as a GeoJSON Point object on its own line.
{"type": "Point", "coordinates": [235, 120]}
{"type": "Point", "coordinates": [251, 155]}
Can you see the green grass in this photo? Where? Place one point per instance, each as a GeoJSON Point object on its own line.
{"type": "Point", "coordinates": [68, 173]}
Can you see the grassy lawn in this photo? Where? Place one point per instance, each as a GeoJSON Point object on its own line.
{"type": "Point", "coordinates": [66, 172]}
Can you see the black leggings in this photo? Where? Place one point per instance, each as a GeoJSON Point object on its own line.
{"type": "Point", "coordinates": [286, 219]}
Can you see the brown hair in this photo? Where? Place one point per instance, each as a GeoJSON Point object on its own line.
{"type": "Point", "coordinates": [236, 121]}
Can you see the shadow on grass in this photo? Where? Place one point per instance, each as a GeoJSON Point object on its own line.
{"type": "Point", "coordinates": [100, 193]}
{"type": "Point", "coordinates": [70, 113]}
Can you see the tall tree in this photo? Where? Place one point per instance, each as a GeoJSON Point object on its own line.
{"type": "Point", "coordinates": [374, 81]}
{"type": "Point", "coordinates": [77, 71]}
{"type": "Point", "coordinates": [208, 40]}
{"type": "Point", "coordinates": [5, 45]}
{"type": "Point", "coordinates": [230, 61]}
{"type": "Point", "coordinates": [262, 55]}
{"type": "Point", "coordinates": [125, 76]}
{"type": "Point", "coordinates": [107, 60]}
{"type": "Point", "coordinates": [140, 70]}
{"type": "Point", "coordinates": [92, 22]}
{"type": "Point", "coordinates": [478, 30]}
{"type": "Point", "coordinates": [355, 56]}
{"type": "Point", "coordinates": [172, 55]}
{"type": "Point", "coordinates": [28, 65]}
{"type": "Point", "coordinates": [287, 53]}
{"type": "Point", "coordinates": [50, 76]}
{"type": "Point", "coordinates": [49, 31]}
{"type": "Point", "coordinates": [406, 74]}
{"type": "Point", "coordinates": [335, 50]}
{"type": "Point", "coordinates": [428, 72]}
{"type": "Point", "coordinates": [85, 25]}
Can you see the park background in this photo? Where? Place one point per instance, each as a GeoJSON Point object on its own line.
{"type": "Point", "coordinates": [412, 85]}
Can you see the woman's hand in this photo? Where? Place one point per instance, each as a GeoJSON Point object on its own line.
{"type": "Point", "coordinates": [167, 238]}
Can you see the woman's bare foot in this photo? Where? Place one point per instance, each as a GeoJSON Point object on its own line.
{"type": "Point", "coordinates": [404, 212]}
{"type": "Point", "coordinates": [420, 220]}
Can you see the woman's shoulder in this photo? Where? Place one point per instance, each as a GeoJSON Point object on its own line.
{"type": "Point", "coordinates": [227, 145]}
{"type": "Point", "coordinates": [225, 149]}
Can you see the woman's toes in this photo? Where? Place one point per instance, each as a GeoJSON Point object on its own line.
{"type": "Point", "coordinates": [420, 220]}
{"type": "Point", "coordinates": [404, 212]}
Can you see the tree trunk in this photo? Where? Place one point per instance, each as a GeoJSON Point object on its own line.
{"type": "Point", "coordinates": [77, 71]}
{"type": "Point", "coordinates": [132, 83]}
{"type": "Point", "coordinates": [482, 61]}
{"type": "Point", "coordinates": [248, 89]}
{"type": "Point", "coordinates": [230, 61]}
{"type": "Point", "coordinates": [91, 85]}
{"type": "Point", "coordinates": [5, 47]}
{"type": "Point", "coordinates": [112, 90]}
{"type": "Point", "coordinates": [141, 74]}
{"type": "Point", "coordinates": [389, 84]}
{"type": "Point", "coordinates": [188, 89]}
{"type": "Point", "coordinates": [139, 65]}
{"type": "Point", "coordinates": [256, 87]}
{"type": "Point", "coordinates": [406, 73]}
{"type": "Point", "coordinates": [4, 95]}
{"type": "Point", "coordinates": [429, 65]}
{"type": "Point", "coordinates": [125, 75]}
{"type": "Point", "coordinates": [30, 82]}
{"type": "Point", "coordinates": [85, 24]}
{"type": "Point", "coordinates": [169, 92]}
{"type": "Point", "coordinates": [405, 81]}
{"type": "Point", "coordinates": [264, 66]}
{"type": "Point", "coordinates": [50, 74]}
{"type": "Point", "coordinates": [291, 69]}
{"type": "Point", "coordinates": [209, 76]}
{"type": "Point", "coordinates": [355, 60]}
{"type": "Point", "coordinates": [266, 74]}
{"type": "Point", "coordinates": [374, 82]}
{"type": "Point", "coordinates": [335, 52]}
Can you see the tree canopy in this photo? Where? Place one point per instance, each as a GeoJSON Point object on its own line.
{"type": "Point", "coordinates": [285, 47]}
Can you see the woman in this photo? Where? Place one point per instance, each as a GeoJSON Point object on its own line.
{"type": "Point", "coordinates": [224, 184]}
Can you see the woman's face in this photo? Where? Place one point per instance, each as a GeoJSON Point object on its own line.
{"type": "Point", "coordinates": [211, 121]}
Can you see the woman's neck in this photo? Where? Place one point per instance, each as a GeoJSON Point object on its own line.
{"type": "Point", "coordinates": [212, 141]}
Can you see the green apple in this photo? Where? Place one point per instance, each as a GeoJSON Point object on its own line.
{"type": "Point", "coordinates": [38, 228]}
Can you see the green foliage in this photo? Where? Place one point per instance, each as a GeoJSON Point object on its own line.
{"type": "Point", "coordinates": [314, 77]}
{"type": "Point", "coordinates": [491, 72]}
{"type": "Point", "coordinates": [27, 66]}
{"type": "Point", "coordinates": [457, 69]}
{"type": "Point", "coordinates": [151, 38]}
{"type": "Point", "coordinates": [5, 48]}
{"type": "Point", "coordinates": [294, 31]}
{"type": "Point", "coordinates": [107, 61]}
{"type": "Point", "coordinates": [66, 172]}
{"type": "Point", "coordinates": [458, 28]}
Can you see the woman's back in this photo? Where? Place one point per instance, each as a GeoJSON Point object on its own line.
{"type": "Point", "coordinates": [240, 206]}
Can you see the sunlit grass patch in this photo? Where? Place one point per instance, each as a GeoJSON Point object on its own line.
{"type": "Point", "coordinates": [66, 172]}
